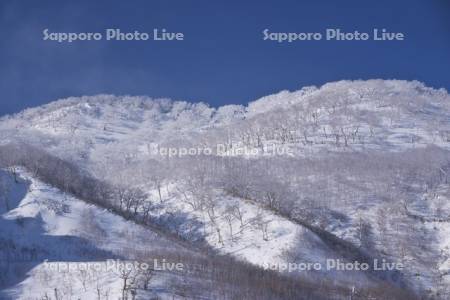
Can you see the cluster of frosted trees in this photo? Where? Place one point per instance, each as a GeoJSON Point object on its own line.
{"type": "Point", "coordinates": [312, 191]}
{"type": "Point", "coordinates": [341, 119]}
{"type": "Point", "coordinates": [320, 191]}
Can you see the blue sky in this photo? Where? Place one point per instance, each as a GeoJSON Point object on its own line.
{"type": "Point", "coordinates": [223, 58]}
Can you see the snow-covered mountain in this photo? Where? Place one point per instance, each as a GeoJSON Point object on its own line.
{"type": "Point", "coordinates": [377, 114]}
{"type": "Point", "coordinates": [353, 171]}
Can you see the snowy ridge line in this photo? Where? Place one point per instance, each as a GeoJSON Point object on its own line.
{"type": "Point", "coordinates": [24, 158]}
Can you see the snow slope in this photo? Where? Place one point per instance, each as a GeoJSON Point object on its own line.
{"type": "Point", "coordinates": [53, 230]}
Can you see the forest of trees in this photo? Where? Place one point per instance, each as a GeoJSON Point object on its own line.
{"type": "Point", "coordinates": [247, 281]}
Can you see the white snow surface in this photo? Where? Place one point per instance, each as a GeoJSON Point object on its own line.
{"type": "Point", "coordinates": [61, 225]}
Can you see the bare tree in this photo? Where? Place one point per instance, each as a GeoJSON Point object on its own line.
{"type": "Point", "coordinates": [4, 191]}
{"type": "Point", "coordinates": [229, 218]}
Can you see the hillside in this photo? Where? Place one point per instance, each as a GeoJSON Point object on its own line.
{"type": "Point", "coordinates": [351, 171]}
